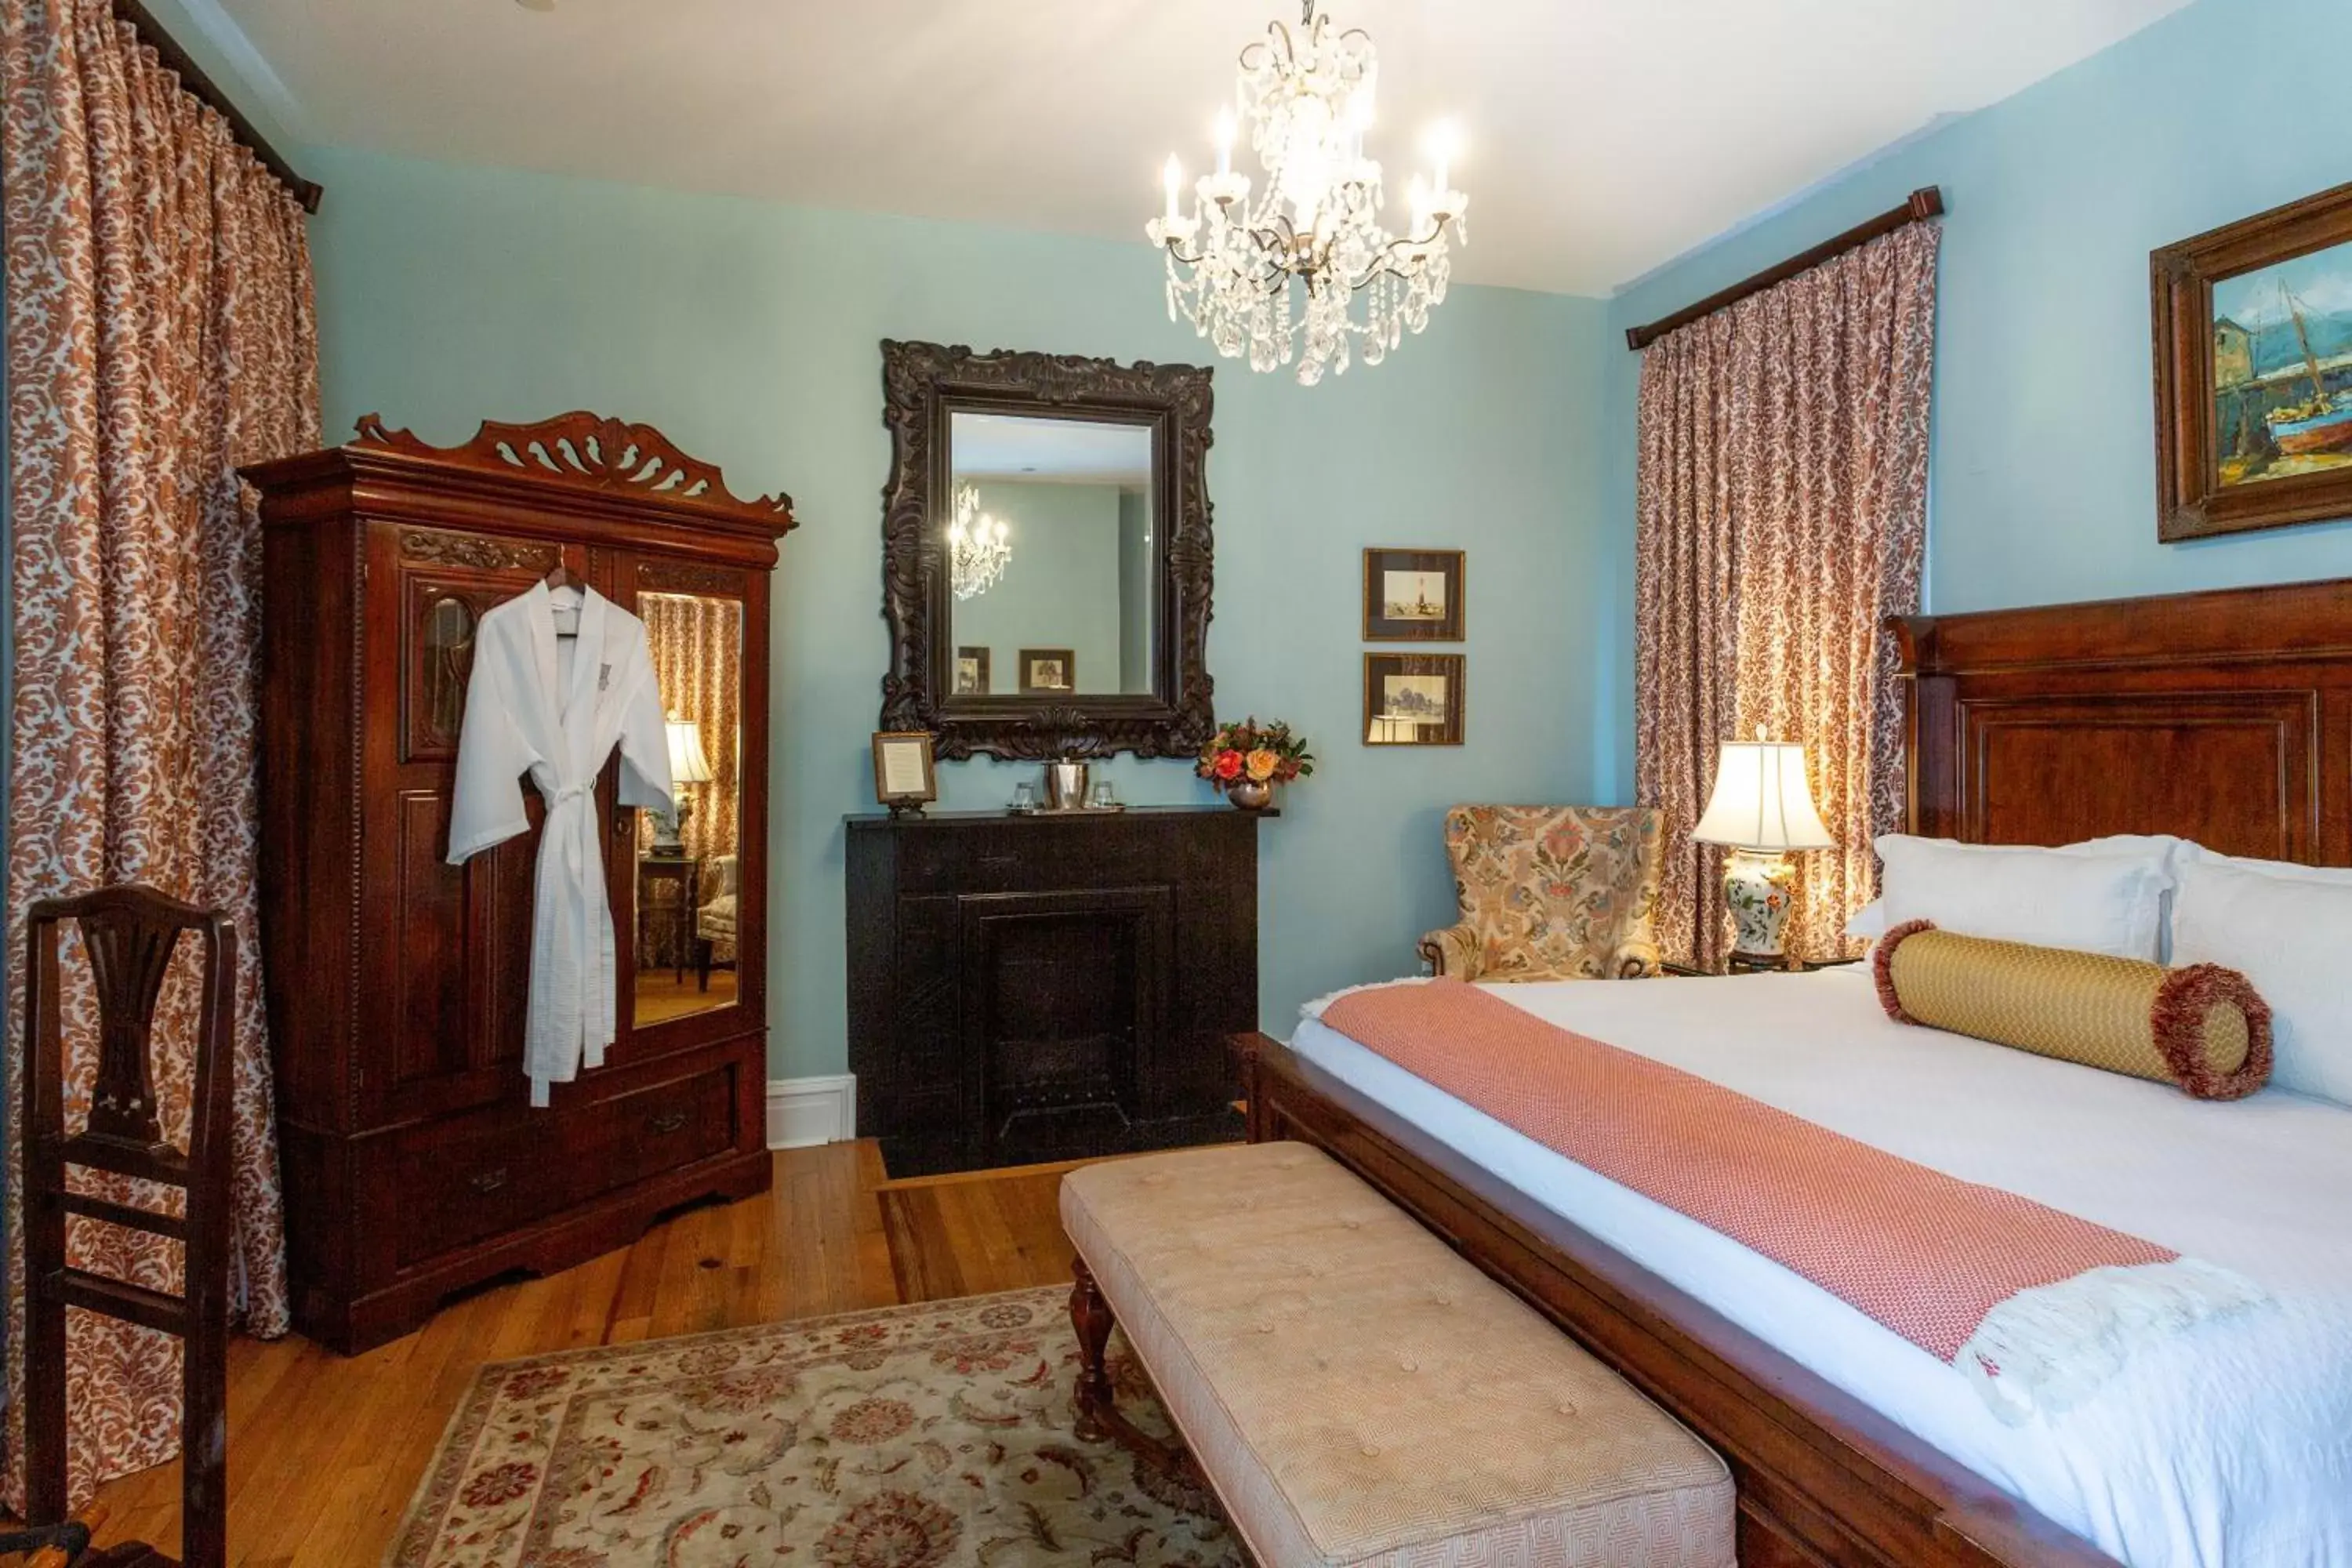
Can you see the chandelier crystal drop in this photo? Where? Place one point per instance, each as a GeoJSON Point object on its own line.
{"type": "Point", "coordinates": [1275, 275]}
{"type": "Point", "coordinates": [979, 546]}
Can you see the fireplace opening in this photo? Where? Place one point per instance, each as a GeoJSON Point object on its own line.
{"type": "Point", "coordinates": [1060, 1011]}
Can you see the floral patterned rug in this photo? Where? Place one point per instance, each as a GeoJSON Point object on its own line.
{"type": "Point", "coordinates": [918, 1437]}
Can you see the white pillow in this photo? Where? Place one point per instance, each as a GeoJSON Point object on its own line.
{"type": "Point", "coordinates": [2293, 870]}
{"type": "Point", "coordinates": [2290, 935]}
{"type": "Point", "coordinates": [1868, 923]}
{"type": "Point", "coordinates": [2106, 896]}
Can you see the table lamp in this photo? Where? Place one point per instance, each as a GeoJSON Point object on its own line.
{"type": "Point", "coordinates": [1761, 808]}
{"type": "Point", "coordinates": [688, 764]}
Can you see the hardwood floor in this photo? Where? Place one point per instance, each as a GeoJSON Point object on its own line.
{"type": "Point", "coordinates": [976, 1231]}
{"type": "Point", "coordinates": [324, 1451]}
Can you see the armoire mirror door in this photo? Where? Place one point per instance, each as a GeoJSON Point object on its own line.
{"type": "Point", "coordinates": [685, 882]}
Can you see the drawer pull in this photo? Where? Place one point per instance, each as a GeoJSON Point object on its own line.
{"type": "Point", "coordinates": [997, 861]}
{"type": "Point", "coordinates": [667, 1122]}
{"type": "Point", "coordinates": [488, 1182]}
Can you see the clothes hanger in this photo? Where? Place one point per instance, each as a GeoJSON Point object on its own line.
{"type": "Point", "coordinates": [567, 616]}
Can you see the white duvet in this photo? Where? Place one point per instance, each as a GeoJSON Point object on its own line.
{"type": "Point", "coordinates": [2230, 1445]}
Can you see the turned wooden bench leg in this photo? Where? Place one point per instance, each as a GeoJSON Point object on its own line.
{"type": "Point", "coordinates": [1090, 1315]}
{"type": "Point", "coordinates": [1099, 1419]}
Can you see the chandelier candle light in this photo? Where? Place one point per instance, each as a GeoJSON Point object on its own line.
{"type": "Point", "coordinates": [979, 546]}
{"type": "Point", "coordinates": [1232, 264]}
{"type": "Point", "coordinates": [1761, 808]}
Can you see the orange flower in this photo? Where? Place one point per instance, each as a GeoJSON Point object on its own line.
{"type": "Point", "coordinates": [1229, 764]}
{"type": "Point", "coordinates": [1262, 766]}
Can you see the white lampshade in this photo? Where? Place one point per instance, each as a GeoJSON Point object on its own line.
{"type": "Point", "coordinates": [688, 764]}
{"type": "Point", "coordinates": [1761, 800]}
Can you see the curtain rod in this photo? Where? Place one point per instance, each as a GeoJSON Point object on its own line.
{"type": "Point", "coordinates": [1926, 202]}
{"type": "Point", "coordinates": [192, 77]}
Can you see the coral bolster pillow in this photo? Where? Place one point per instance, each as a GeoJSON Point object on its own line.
{"type": "Point", "coordinates": [2201, 1027]}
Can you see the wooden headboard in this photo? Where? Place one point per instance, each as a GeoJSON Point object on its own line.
{"type": "Point", "coordinates": [2223, 717]}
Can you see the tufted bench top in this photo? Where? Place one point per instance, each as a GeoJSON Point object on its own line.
{"type": "Point", "coordinates": [1358, 1393]}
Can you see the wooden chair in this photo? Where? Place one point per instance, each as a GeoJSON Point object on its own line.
{"type": "Point", "coordinates": [129, 934]}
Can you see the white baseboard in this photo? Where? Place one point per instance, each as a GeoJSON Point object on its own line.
{"type": "Point", "coordinates": [803, 1111]}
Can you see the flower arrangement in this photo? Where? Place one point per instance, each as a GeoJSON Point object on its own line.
{"type": "Point", "coordinates": [1248, 759]}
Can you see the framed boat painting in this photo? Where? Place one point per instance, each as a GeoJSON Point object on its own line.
{"type": "Point", "coordinates": [2253, 371]}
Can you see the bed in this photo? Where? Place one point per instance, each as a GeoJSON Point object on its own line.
{"type": "Point", "coordinates": [2224, 717]}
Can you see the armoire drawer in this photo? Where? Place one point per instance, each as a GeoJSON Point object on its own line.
{"type": "Point", "coordinates": [618, 1142]}
{"type": "Point", "coordinates": [460, 1181]}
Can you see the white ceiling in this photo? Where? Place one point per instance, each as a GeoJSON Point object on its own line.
{"type": "Point", "coordinates": [1602, 137]}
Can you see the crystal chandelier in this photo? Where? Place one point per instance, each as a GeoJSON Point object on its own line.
{"type": "Point", "coordinates": [979, 546]}
{"type": "Point", "coordinates": [1233, 263]}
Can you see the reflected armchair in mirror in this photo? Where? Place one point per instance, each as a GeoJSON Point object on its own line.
{"type": "Point", "coordinates": [1046, 515]}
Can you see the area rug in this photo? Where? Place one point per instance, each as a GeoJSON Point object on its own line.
{"type": "Point", "coordinates": [927, 1437]}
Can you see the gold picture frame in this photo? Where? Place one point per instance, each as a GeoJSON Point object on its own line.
{"type": "Point", "coordinates": [1415, 596]}
{"type": "Point", "coordinates": [970, 672]}
{"type": "Point", "coordinates": [1415, 698]}
{"type": "Point", "coordinates": [1049, 672]}
{"type": "Point", "coordinates": [2253, 393]}
{"type": "Point", "coordinates": [906, 774]}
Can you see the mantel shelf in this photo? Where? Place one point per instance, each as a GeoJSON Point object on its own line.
{"type": "Point", "coordinates": [868, 820]}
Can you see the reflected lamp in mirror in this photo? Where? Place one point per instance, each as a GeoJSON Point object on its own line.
{"type": "Point", "coordinates": [688, 764]}
{"type": "Point", "coordinates": [1761, 809]}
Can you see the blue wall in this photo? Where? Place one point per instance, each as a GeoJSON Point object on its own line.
{"type": "Point", "coordinates": [1062, 587]}
{"type": "Point", "coordinates": [2043, 484]}
{"type": "Point", "coordinates": [748, 331]}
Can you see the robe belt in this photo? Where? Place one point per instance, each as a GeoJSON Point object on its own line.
{"type": "Point", "coordinates": [575, 843]}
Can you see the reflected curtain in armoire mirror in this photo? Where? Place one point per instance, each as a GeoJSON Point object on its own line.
{"type": "Point", "coordinates": [398, 983]}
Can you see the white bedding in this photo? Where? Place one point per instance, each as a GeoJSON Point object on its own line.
{"type": "Point", "coordinates": [2229, 1445]}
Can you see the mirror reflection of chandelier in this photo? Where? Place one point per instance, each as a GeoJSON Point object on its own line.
{"type": "Point", "coordinates": [979, 546]}
{"type": "Point", "coordinates": [1232, 264]}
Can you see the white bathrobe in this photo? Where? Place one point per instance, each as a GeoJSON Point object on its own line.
{"type": "Point", "coordinates": [554, 707]}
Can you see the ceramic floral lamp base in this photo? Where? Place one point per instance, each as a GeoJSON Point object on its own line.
{"type": "Point", "coordinates": [1759, 889]}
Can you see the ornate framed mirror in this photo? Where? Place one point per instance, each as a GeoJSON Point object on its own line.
{"type": "Point", "coordinates": [1045, 553]}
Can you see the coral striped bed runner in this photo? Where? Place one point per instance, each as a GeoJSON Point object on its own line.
{"type": "Point", "coordinates": [2034, 1306]}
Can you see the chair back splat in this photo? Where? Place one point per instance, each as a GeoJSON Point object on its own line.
{"type": "Point", "coordinates": [129, 934]}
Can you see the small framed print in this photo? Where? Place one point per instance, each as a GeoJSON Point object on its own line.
{"type": "Point", "coordinates": [1413, 595]}
{"type": "Point", "coordinates": [971, 672]}
{"type": "Point", "coordinates": [905, 778]}
{"type": "Point", "coordinates": [1048, 670]}
{"type": "Point", "coordinates": [1412, 699]}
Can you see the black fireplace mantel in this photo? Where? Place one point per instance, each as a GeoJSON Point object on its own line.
{"type": "Point", "coordinates": [1050, 986]}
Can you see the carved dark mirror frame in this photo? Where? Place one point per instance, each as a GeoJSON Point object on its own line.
{"type": "Point", "coordinates": [923, 385]}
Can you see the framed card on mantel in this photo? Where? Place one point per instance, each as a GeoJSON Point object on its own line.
{"type": "Point", "coordinates": [2253, 371]}
{"type": "Point", "coordinates": [1413, 595]}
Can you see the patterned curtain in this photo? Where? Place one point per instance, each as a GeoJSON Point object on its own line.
{"type": "Point", "coordinates": [160, 332]}
{"type": "Point", "coordinates": [697, 649]}
{"type": "Point", "coordinates": [1782, 515]}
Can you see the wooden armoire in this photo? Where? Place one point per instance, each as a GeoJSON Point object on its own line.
{"type": "Point", "coordinates": [414, 1167]}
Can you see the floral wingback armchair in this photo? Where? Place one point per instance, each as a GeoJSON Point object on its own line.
{"type": "Point", "coordinates": [1550, 892]}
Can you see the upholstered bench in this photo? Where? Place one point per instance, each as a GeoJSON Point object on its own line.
{"type": "Point", "coordinates": [1355, 1393]}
